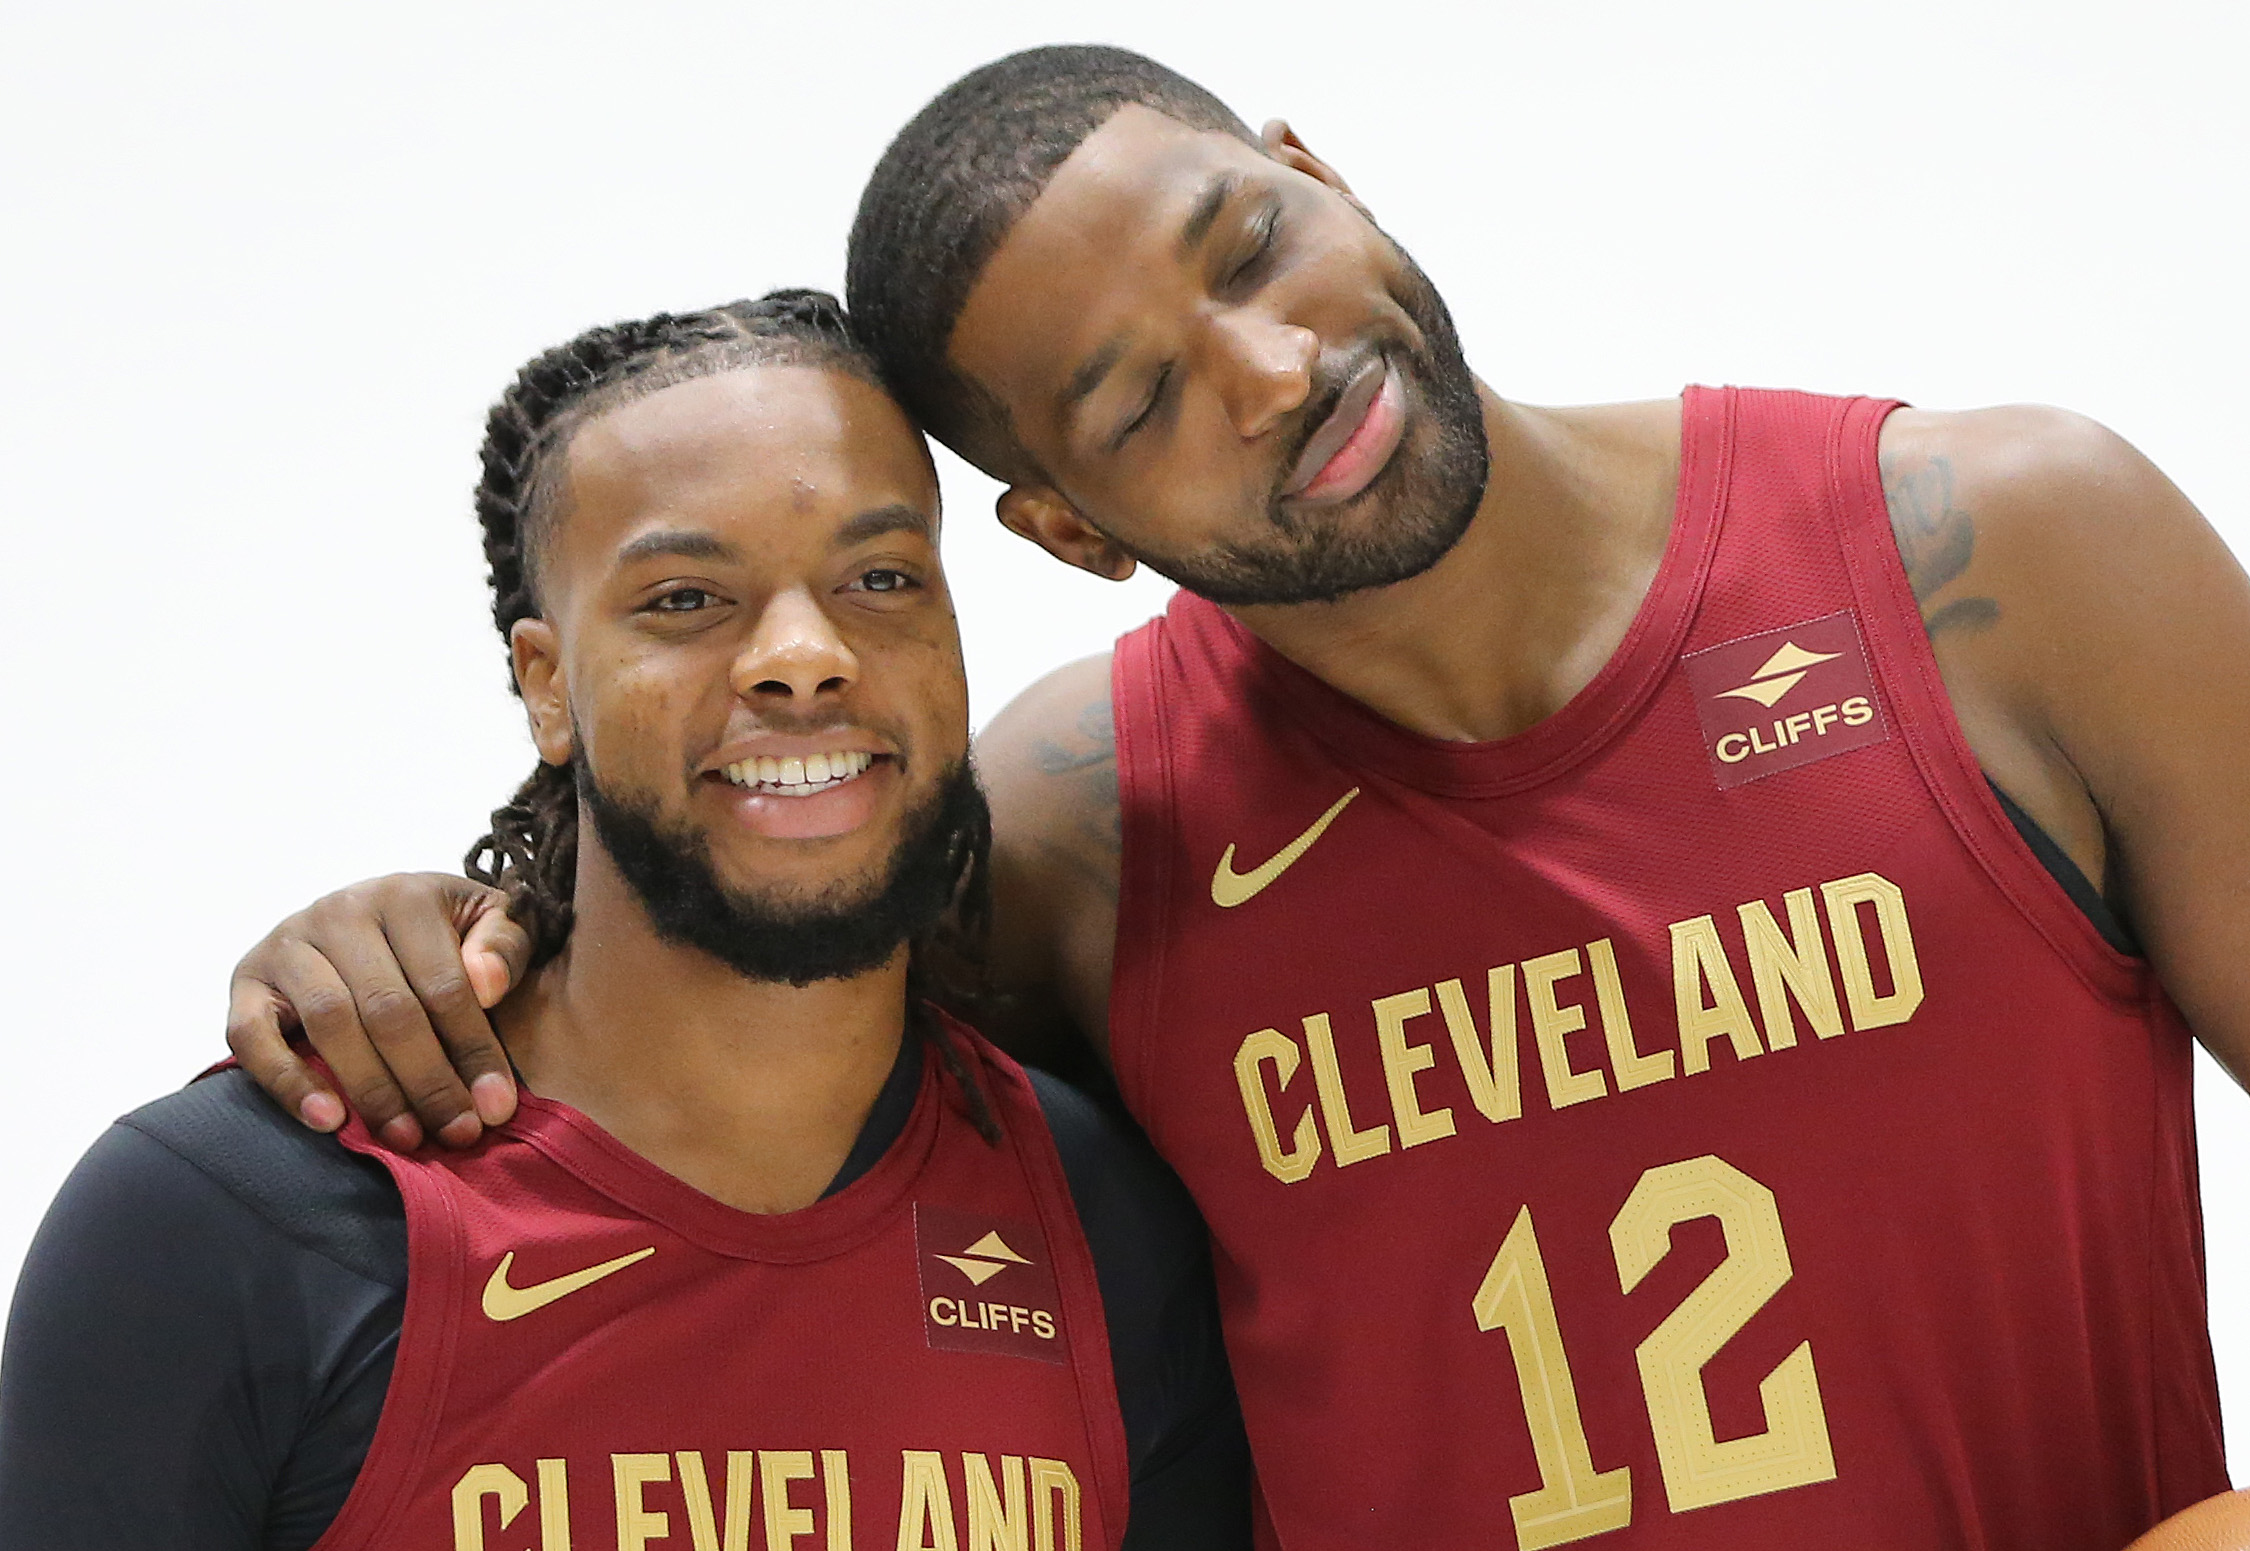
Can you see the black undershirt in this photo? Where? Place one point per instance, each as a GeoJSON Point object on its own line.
{"type": "Point", "coordinates": [205, 1326]}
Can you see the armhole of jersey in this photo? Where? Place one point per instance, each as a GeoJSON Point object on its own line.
{"type": "Point", "coordinates": [414, 1402]}
{"type": "Point", "coordinates": [1907, 670]}
{"type": "Point", "coordinates": [1144, 817]}
{"type": "Point", "coordinates": [1026, 1127]}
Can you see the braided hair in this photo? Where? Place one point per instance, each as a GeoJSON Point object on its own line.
{"type": "Point", "coordinates": [531, 851]}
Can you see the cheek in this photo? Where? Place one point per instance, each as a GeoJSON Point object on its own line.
{"type": "Point", "coordinates": [634, 724]}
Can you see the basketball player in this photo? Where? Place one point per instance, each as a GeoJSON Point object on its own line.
{"type": "Point", "coordinates": [1663, 938]}
{"type": "Point", "coordinates": [775, 1245]}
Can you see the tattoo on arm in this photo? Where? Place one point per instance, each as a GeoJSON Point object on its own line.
{"type": "Point", "coordinates": [1936, 540]}
{"type": "Point", "coordinates": [1089, 761]}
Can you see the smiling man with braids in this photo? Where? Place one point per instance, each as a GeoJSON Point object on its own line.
{"type": "Point", "coordinates": [771, 1241]}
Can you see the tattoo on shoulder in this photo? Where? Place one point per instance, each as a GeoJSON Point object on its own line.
{"type": "Point", "coordinates": [1936, 540]}
{"type": "Point", "coordinates": [1089, 758]}
{"type": "Point", "coordinates": [1095, 740]}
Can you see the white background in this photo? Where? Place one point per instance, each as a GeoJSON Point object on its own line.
{"type": "Point", "coordinates": [262, 268]}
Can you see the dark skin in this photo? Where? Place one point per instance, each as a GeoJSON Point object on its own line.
{"type": "Point", "coordinates": [741, 564]}
{"type": "Point", "coordinates": [2092, 631]}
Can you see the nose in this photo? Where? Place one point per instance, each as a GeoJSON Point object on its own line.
{"type": "Point", "coordinates": [794, 655]}
{"type": "Point", "coordinates": [1263, 366]}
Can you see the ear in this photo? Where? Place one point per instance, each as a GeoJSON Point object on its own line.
{"type": "Point", "coordinates": [1045, 516]}
{"type": "Point", "coordinates": [1283, 146]}
{"type": "Point", "coordinates": [546, 694]}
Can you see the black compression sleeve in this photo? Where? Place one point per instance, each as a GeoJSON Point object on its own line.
{"type": "Point", "coordinates": [1183, 1427]}
{"type": "Point", "coordinates": [183, 1369]}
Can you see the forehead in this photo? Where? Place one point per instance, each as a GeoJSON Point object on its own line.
{"type": "Point", "coordinates": [1073, 264]}
{"type": "Point", "coordinates": [787, 448]}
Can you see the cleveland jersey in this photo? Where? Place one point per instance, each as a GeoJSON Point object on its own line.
{"type": "Point", "coordinates": [597, 1357]}
{"type": "Point", "coordinates": [1696, 1122]}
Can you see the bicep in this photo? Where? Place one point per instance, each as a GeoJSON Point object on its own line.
{"type": "Point", "coordinates": [2162, 733]}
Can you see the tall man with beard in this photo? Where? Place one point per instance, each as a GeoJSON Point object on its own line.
{"type": "Point", "coordinates": [776, 1243]}
{"type": "Point", "coordinates": [1663, 938]}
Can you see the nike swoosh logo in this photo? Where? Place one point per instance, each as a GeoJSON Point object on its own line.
{"type": "Point", "coordinates": [503, 1303]}
{"type": "Point", "coordinates": [1230, 888]}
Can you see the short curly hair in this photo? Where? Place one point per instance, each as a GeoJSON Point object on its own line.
{"type": "Point", "coordinates": [948, 190]}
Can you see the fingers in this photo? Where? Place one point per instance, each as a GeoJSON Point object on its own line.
{"type": "Point", "coordinates": [495, 951]}
{"type": "Point", "coordinates": [376, 977]}
{"type": "Point", "coordinates": [257, 1025]}
{"type": "Point", "coordinates": [470, 1063]}
{"type": "Point", "coordinates": [382, 1042]}
{"type": "Point", "coordinates": [311, 983]}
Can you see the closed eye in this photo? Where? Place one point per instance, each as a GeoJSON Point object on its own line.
{"type": "Point", "coordinates": [1156, 395]}
{"type": "Point", "coordinates": [1263, 234]}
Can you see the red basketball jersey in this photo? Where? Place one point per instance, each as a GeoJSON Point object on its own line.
{"type": "Point", "coordinates": [1696, 1122]}
{"type": "Point", "coordinates": [597, 1357]}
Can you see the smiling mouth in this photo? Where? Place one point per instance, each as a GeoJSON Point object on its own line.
{"type": "Point", "coordinates": [1353, 444]}
{"type": "Point", "coordinates": [798, 777]}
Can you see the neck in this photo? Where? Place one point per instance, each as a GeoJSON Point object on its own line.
{"type": "Point", "coordinates": [1522, 613]}
{"type": "Point", "coordinates": [751, 1091]}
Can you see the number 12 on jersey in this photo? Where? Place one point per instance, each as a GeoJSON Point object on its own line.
{"type": "Point", "coordinates": [1574, 1500]}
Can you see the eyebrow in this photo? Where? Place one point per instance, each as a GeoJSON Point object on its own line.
{"type": "Point", "coordinates": [895, 518]}
{"type": "Point", "coordinates": [1089, 375]}
{"type": "Point", "coordinates": [683, 544]}
{"type": "Point", "coordinates": [1197, 226]}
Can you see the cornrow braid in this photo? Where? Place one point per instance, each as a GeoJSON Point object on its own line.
{"type": "Point", "coordinates": [531, 851]}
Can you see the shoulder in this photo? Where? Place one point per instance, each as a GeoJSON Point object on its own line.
{"type": "Point", "coordinates": [223, 1136]}
{"type": "Point", "coordinates": [2092, 629]}
{"type": "Point", "coordinates": [2045, 535]}
{"type": "Point", "coordinates": [1049, 765]}
{"type": "Point", "coordinates": [1049, 760]}
{"type": "Point", "coordinates": [2038, 502]}
{"type": "Point", "coordinates": [202, 1333]}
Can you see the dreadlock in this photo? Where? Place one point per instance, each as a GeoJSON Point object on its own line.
{"type": "Point", "coordinates": [531, 851]}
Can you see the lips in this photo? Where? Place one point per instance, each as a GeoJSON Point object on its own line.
{"type": "Point", "coordinates": [801, 811]}
{"type": "Point", "coordinates": [1354, 442]}
{"type": "Point", "coordinates": [803, 786]}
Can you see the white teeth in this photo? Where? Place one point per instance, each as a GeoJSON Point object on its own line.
{"type": "Point", "coordinates": [799, 777]}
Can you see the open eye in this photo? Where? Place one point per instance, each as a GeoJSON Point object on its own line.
{"type": "Point", "coordinates": [681, 600]}
{"type": "Point", "coordinates": [883, 579]}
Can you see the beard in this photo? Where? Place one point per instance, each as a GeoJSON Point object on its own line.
{"type": "Point", "coordinates": [841, 931]}
{"type": "Point", "coordinates": [1428, 493]}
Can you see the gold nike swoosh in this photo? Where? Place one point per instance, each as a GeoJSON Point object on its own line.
{"type": "Point", "coordinates": [503, 1303]}
{"type": "Point", "coordinates": [1230, 888]}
